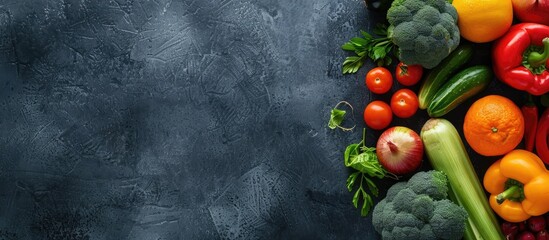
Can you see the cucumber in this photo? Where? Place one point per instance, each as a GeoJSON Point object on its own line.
{"type": "Point", "coordinates": [442, 72]}
{"type": "Point", "coordinates": [459, 88]}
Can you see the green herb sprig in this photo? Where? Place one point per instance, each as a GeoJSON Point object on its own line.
{"type": "Point", "coordinates": [368, 46]}
{"type": "Point", "coordinates": [364, 160]}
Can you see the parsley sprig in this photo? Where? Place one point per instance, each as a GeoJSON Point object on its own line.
{"type": "Point", "coordinates": [368, 46]}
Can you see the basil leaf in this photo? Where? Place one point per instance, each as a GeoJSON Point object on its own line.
{"type": "Point", "coordinates": [350, 152]}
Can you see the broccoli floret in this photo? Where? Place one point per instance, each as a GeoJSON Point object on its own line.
{"type": "Point", "coordinates": [433, 183]}
{"type": "Point", "coordinates": [427, 233]}
{"type": "Point", "coordinates": [426, 29]}
{"type": "Point", "coordinates": [423, 207]}
{"type": "Point", "coordinates": [400, 14]}
{"type": "Point", "coordinates": [407, 226]}
{"type": "Point", "coordinates": [419, 209]}
{"type": "Point", "coordinates": [448, 221]}
{"type": "Point", "coordinates": [403, 200]}
{"type": "Point", "coordinates": [377, 214]}
{"type": "Point", "coordinates": [388, 217]}
{"type": "Point", "coordinates": [393, 190]}
{"type": "Point", "coordinates": [428, 15]}
{"type": "Point", "coordinates": [405, 233]}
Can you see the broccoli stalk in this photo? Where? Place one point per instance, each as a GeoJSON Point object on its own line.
{"type": "Point", "coordinates": [421, 32]}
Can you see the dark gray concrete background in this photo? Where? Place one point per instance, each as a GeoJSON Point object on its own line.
{"type": "Point", "coordinates": [161, 119]}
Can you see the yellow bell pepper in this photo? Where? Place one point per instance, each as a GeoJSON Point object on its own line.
{"type": "Point", "coordinates": [518, 184]}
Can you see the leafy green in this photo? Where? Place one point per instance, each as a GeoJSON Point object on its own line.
{"type": "Point", "coordinates": [368, 46]}
{"type": "Point", "coordinates": [337, 116]}
{"type": "Point", "coordinates": [364, 160]}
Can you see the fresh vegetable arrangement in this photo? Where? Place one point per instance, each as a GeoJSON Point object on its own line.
{"type": "Point", "coordinates": [437, 71]}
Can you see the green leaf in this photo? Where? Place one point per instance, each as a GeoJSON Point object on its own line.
{"type": "Point", "coordinates": [367, 205]}
{"type": "Point", "coordinates": [351, 60]}
{"type": "Point", "coordinates": [368, 149]}
{"type": "Point", "coordinates": [371, 186]}
{"type": "Point", "coordinates": [351, 181]}
{"type": "Point", "coordinates": [356, 67]}
{"type": "Point", "coordinates": [366, 34]}
{"type": "Point", "coordinates": [352, 64]}
{"type": "Point", "coordinates": [359, 41]}
{"type": "Point", "coordinates": [380, 30]}
{"type": "Point", "coordinates": [355, 198]}
{"type": "Point", "coordinates": [336, 118]}
{"type": "Point", "coordinates": [348, 46]}
{"type": "Point", "coordinates": [350, 151]}
{"type": "Point", "coordinates": [379, 53]}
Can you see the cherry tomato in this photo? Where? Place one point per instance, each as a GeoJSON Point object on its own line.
{"type": "Point", "coordinates": [404, 103]}
{"type": "Point", "coordinates": [408, 75]}
{"type": "Point", "coordinates": [379, 80]}
{"type": "Point", "coordinates": [378, 115]}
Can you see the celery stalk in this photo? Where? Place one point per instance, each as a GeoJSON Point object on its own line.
{"type": "Point", "coordinates": [446, 153]}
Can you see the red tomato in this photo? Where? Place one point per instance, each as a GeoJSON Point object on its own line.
{"type": "Point", "coordinates": [408, 75]}
{"type": "Point", "coordinates": [378, 115]}
{"type": "Point", "coordinates": [379, 80]}
{"type": "Point", "coordinates": [404, 103]}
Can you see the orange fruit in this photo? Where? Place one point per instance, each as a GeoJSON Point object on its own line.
{"type": "Point", "coordinates": [493, 125]}
{"type": "Point", "coordinates": [483, 21]}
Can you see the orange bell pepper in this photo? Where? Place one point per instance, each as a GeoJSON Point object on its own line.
{"type": "Point", "coordinates": [518, 184]}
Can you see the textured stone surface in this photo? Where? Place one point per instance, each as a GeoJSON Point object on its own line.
{"type": "Point", "coordinates": [161, 119]}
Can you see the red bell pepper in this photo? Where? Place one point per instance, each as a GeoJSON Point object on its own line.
{"type": "Point", "coordinates": [520, 58]}
{"type": "Point", "coordinates": [530, 114]}
{"type": "Point", "coordinates": [542, 147]}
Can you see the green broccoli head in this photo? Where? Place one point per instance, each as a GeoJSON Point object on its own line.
{"type": "Point", "coordinates": [433, 183]}
{"type": "Point", "coordinates": [425, 31]}
{"type": "Point", "coordinates": [448, 221]}
{"type": "Point", "coordinates": [419, 209]}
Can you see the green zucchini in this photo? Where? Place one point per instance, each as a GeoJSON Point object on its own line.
{"type": "Point", "coordinates": [442, 72]}
{"type": "Point", "coordinates": [459, 88]}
